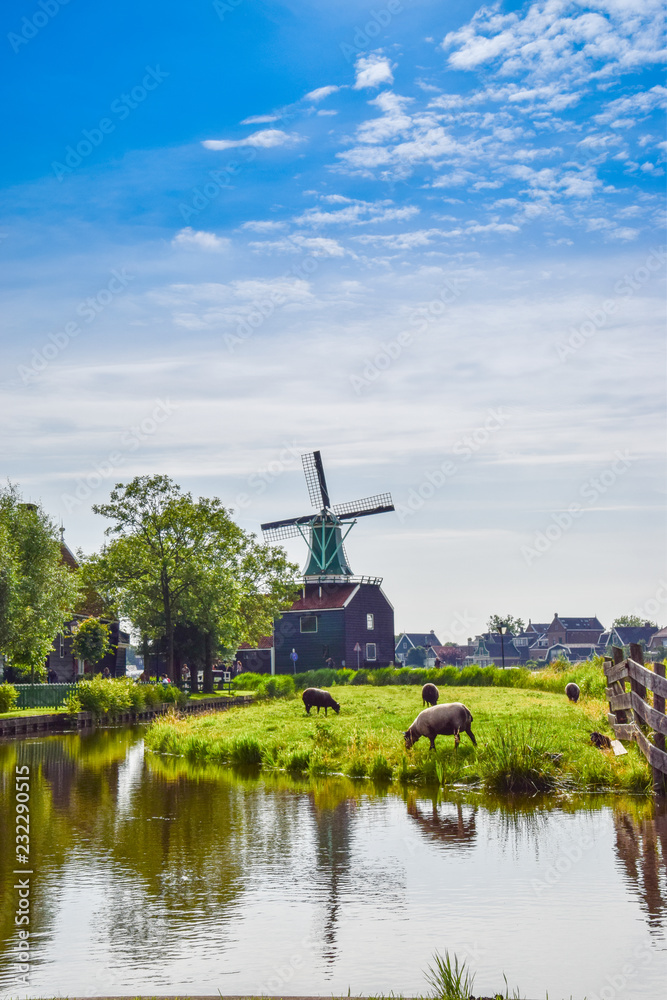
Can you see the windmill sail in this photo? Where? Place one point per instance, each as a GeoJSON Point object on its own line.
{"type": "Point", "coordinates": [324, 532]}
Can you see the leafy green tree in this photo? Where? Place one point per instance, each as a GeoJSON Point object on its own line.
{"type": "Point", "coordinates": [174, 560]}
{"type": "Point", "coordinates": [514, 625]}
{"type": "Point", "coordinates": [91, 641]}
{"type": "Point", "coordinates": [416, 657]}
{"type": "Point", "coordinates": [37, 591]}
{"type": "Point", "coordinates": [631, 621]}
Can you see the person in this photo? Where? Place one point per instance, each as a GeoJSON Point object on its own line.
{"type": "Point", "coordinates": [143, 677]}
{"type": "Point", "coordinates": [106, 673]}
{"type": "Point", "coordinates": [239, 667]}
{"type": "Point", "coordinates": [164, 679]}
{"type": "Point", "coordinates": [329, 663]}
{"type": "Point", "coordinates": [52, 676]}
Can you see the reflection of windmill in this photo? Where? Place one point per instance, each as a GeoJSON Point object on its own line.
{"type": "Point", "coordinates": [325, 532]}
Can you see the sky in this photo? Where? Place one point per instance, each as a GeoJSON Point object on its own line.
{"type": "Point", "coordinates": [427, 239]}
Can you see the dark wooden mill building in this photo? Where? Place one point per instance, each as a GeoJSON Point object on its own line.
{"type": "Point", "coordinates": [337, 616]}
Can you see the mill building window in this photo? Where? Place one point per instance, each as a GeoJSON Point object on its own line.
{"type": "Point", "coordinates": [371, 651]}
{"type": "Point", "coordinates": [370, 622]}
{"type": "Point", "coordinates": [309, 623]}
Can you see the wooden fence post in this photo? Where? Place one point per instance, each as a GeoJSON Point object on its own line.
{"type": "Point", "coordinates": [637, 654]}
{"type": "Point", "coordinates": [619, 686]}
{"type": "Point", "coordinates": [659, 786]}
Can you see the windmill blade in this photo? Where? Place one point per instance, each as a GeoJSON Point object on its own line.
{"type": "Point", "coordinates": [379, 504]}
{"type": "Point", "coordinates": [278, 532]}
{"type": "Point", "coordinates": [313, 470]}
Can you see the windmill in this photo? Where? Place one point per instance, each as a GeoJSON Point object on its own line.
{"type": "Point", "coordinates": [325, 532]}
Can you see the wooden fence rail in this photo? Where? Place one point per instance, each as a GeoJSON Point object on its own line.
{"type": "Point", "coordinates": [629, 711]}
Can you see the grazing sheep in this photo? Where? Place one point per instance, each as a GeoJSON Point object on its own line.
{"type": "Point", "coordinates": [601, 741]}
{"type": "Point", "coordinates": [572, 691]}
{"type": "Point", "coordinates": [430, 694]}
{"type": "Point", "coordinates": [319, 698]}
{"type": "Point", "coordinates": [441, 720]}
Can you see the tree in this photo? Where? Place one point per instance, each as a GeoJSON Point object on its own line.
{"type": "Point", "coordinates": [37, 591]}
{"type": "Point", "coordinates": [175, 560]}
{"type": "Point", "coordinates": [514, 625]}
{"type": "Point", "coordinates": [416, 657]}
{"type": "Point", "coordinates": [91, 641]}
{"type": "Point", "coordinates": [631, 621]}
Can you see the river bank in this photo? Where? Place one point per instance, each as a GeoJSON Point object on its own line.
{"type": "Point", "coordinates": [528, 741]}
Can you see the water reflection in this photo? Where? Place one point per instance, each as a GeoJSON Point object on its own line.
{"type": "Point", "coordinates": [172, 874]}
{"type": "Point", "coordinates": [641, 847]}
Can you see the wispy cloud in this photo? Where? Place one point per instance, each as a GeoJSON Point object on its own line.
{"type": "Point", "coordinates": [190, 240]}
{"type": "Point", "coordinates": [320, 93]}
{"type": "Point", "coordinates": [267, 138]}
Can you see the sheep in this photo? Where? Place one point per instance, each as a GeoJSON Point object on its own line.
{"type": "Point", "coordinates": [430, 694]}
{"type": "Point", "coordinates": [572, 691]}
{"type": "Point", "coordinates": [441, 720]}
{"type": "Point", "coordinates": [319, 698]}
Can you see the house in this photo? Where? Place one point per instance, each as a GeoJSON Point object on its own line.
{"type": "Point", "coordinates": [623, 635]}
{"type": "Point", "coordinates": [60, 660]}
{"type": "Point", "coordinates": [452, 654]}
{"type": "Point", "coordinates": [490, 651]}
{"type": "Point", "coordinates": [350, 621]}
{"type": "Point", "coordinates": [411, 640]}
{"type": "Point", "coordinates": [658, 641]}
{"type": "Point", "coordinates": [580, 631]}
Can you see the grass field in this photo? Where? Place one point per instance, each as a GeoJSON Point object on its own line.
{"type": "Point", "coordinates": [527, 740]}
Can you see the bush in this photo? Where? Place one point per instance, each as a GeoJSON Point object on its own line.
{"type": "Point", "coordinates": [280, 686]}
{"type": "Point", "coordinates": [8, 697]}
{"type": "Point", "coordinates": [517, 760]}
{"type": "Point", "coordinates": [361, 677]}
{"type": "Point", "coordinates": [344, 675]}
{"type": "Point", "coordinates": [108, 696]}
{"type": "Point", "coordinates": [380, 769]}
{"type": "Point", "coordinates": [299, 761]}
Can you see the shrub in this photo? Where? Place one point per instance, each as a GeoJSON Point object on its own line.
{"type": "Point", "coordinates": [170, 694]}
{"type": "Point", "coordinates": [344, 675]}
{"type": "Point", "coordinates": [281, 686]}
{"type": "Point", "coordinates": [8, 697]}
{"type": "Point", "coordinates": [361, 677]}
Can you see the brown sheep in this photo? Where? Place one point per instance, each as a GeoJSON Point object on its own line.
{"type": "Point", "coordinates": [430, 694]}
{"type": "Point", "coordinates": [320, 699]}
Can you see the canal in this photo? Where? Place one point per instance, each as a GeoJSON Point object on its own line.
{"type": "Point", "coordinates": [149, 876]}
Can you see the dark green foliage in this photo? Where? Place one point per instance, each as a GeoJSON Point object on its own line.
{"type": "Point", "coordinates": [380, 769]}
{"type": "Point", "coordinates": [361, 677]}
{"type": "Point", "coordinates": [104, 696]}
{"type": "Point", "coordinates": [517, 760]}
{"type": "Point", "coordinates": [299, 761]}
{"type": "Point", "coordinates": [91, 641]}
{"type": "Point", "coordinates": [415, 657]}
{"type": "Point", "coordinates": [8, 697]}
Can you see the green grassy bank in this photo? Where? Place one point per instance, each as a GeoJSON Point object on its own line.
{"type": "Point", "coordinates": [528, 740]}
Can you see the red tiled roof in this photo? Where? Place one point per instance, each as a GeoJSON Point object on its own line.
{"type": "Point", "coordinates": [334, 595]}
{"type": "Point", "coordinates": [266, 642]}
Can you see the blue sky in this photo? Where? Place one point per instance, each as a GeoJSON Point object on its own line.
{"type": "Point", "coordinates": [427, 239]}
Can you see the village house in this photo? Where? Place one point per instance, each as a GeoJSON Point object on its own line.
{"type": "Point", "coordinates": [411, 640]}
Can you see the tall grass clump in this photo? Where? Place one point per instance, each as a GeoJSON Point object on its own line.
{"type": "Point", "coordinates": [245, 750]}
{"type": "Point", "coordinates": [8, 697]}
{"type": "Point", "coordinates": [516, 760]}
{"type": "Point", "coordinates": [449, 980]}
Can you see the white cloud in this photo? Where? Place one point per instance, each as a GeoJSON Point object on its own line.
{"type": "Point", "coordinates": [192, 240]}
{"type": "Point", "coordinates": [259, 119]}
{"type": "Point", "coordinates": [267, 138]}
{"type": "Point", "coordinates": [358, 213]}
{"type": "Point", "coordinates": [316, 246]}
{"type": "Point", "coordinates": [263, 226]}
{"type": "Point", "coordinates": [320, 93]}
{"type": "Point", "coordinates": [372, 71]}
{"type": "Point", "coordinates": [640, 104]}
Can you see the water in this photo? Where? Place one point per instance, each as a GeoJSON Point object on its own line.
{"type": "Point", "coordinates": [154, 877]}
